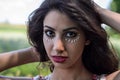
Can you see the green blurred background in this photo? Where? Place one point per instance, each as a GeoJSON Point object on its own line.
{"type": "Point", "coordinates": [13, 37]}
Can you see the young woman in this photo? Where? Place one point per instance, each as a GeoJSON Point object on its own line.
{"type": "Point", "coordinates": [73, 40]}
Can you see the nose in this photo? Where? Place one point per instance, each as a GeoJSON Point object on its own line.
{"type": "Point", "coordinates": [58, 45]}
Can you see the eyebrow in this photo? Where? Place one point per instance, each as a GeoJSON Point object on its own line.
{"type": "Point", "coordinates": [64, 29]}
{"type": "Point", "coordinates": [49, 27]}
{"type": "Point", "coordinates": [70, 28]}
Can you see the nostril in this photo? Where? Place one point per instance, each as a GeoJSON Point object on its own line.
{"type": "Point", "coordinates": [59, 51]}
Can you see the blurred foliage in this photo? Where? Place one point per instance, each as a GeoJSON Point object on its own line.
{"type": "Point", "coordinates": [12, 37]}
{"type": "Point", "coordinates": [112, 33]}
{"type": "Point", "coordinates": [12, 28]}
{"type": "Point", "coordinates": [115, 44]}
{"type": "Point", "coordinates": [12, 44]}
{"type": "Point", "coordinates": [24, 70]}
{"type": "Point", "coordinates": [29, 70]}
{"type": "Point", "coordinates": [115, 6]}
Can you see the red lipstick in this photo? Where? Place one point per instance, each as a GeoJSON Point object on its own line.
{"type": "Point", "coordinates": [59, 59]}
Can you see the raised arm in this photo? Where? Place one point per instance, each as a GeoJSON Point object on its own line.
{"type": "Point", "coordinates": [18, 57]}
{"type": "Point", "coordinates": [109, 17]}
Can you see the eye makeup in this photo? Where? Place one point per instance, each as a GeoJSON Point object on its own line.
{"type": "Point", "coordinates": [48, 39]}
{"type": "Point", "coordinates": [68, 40]}
{"type": "Point", "coordinates": [68, 36]}
{"type": "Point", "coordinates": [72, 40]}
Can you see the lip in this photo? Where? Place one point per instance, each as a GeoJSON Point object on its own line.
{"type": "Point", "coordinates": [59, 59]}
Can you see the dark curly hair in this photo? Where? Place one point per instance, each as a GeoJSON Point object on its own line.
{"type": "Point", "coordinates": [97, 56]}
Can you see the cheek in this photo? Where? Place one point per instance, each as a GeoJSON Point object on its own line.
{"type": "Point", "coordinates": [76, 49]}
{"type": "Point", "coordinates": [76, 54]}
{"type": "Point", "coordinates": [47, 45]}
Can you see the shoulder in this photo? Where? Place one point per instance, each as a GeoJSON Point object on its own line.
{"type": "Point", "coordinates": [114, 76]}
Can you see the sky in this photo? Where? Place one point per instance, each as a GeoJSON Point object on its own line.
{"type": "Point", "coordinates": [17, 11]}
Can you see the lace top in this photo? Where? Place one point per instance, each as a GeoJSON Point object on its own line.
{"type": "Point", "coordinates": [101, 77]}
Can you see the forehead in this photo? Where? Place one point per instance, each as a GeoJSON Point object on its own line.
{"type": "Point", "coordinates": [58, 20]}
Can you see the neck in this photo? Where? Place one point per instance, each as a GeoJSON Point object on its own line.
{"type": "Point", "coordinates": [72, 73]}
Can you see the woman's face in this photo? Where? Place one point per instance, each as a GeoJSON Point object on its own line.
{"type": "Point", "coordinates": [63, 40]}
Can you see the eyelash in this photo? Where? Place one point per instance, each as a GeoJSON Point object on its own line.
{"type": "Point", "coordinates": [70, 36]}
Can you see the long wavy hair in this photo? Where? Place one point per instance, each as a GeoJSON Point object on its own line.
{"type": "Point", "coordinates": [97, 56]}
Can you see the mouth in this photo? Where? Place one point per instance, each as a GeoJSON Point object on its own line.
{"type": "Point", "coordinates": [59, 59]}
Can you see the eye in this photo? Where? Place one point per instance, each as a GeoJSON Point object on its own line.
{"type": "Point", "coordinates": [49, 33]}
{"type": "Point", "coordinates": [70, 34]}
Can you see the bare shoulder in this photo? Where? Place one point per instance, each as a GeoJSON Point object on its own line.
{"type": "Point", "coordinates": [114, 76]}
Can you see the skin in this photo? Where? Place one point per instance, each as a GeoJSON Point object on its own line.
{"type": "Point", "coordinates": [60, 27]}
